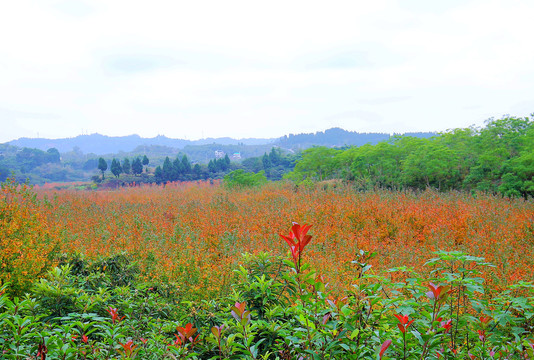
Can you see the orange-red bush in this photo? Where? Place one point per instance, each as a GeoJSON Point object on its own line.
{"type": "Point", "coordinates": [27, 242]}
{"type": "Point", "coordinates": [193, 233]}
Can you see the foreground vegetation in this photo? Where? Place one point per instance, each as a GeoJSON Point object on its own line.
{"type": "Point", "coordinates": [279, 309]}
{"type": "Point", "coordinates": [198, 270]}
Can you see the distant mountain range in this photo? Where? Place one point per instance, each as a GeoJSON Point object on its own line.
{"type": "Point", "coordinates": [102, 144]}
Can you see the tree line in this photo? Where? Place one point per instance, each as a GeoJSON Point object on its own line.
{"type": "Point", "coordinates": [497, 158]}
{"type": "Point", "coordinates": [273, 164]}
{"type": "Point", "coordinates": [117, 168]}
{"type": "Point", "coordinates": [180, 169]}
{"type": "Point", "coordinates": [23, 161]}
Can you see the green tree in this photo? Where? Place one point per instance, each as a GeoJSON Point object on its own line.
{"type": "Point", "coordinates": [511, 185]}
{"type": "Point", "coordinates": [167, 171]}
{"type": "Point", "coordinates": [518, 177]}
{"type": "Point", "coordinates": [496, 145]}
{"type": "Point", "coordinates": [431, 165]}
{"type": "Point", "coordinates": [186, 165]}
{"type": "Point", "coordinates": [212, 167]}
{"type": "Point", "coordinates": [317, 163]}
{"type": "Point", "coordinates": [102, 166]}
{"type": "Point", "coordinates": [90, 164]}
{"type": "Point", "coordinates": [158, 174]}
{"type": "Point", "coordinates": [53, 155]}
{"type": "Point", "coordinates": [373, 165]}
{"type": "Point", "coordinates": [461, 142]}
{"type": "Point", "coordinates": [126, 168]}
{"type": "Point", "coordinates": [145, 162]}
{"type": "Point", "coordinates": [177, 169]}
{"type": "Point", "coordinates": [275, 156]}
{"type": "Point", "coordinates": [266, 161]}
{"type": "Point", "coordinates": [137, 166]}
{"type": "Point", "coordinates": [507, 133]}
{"type": "Point", "coordinates": [496, 158]}
{"type": "Point", "coordinates": [116, 168]}
{"type": "Point", "coordinates": [29, 159]}
{"type": "Point", "coordinates": [240, 178]}
{"type": "Point", "coordinates": [253, 164]}
{"type": "Point", "coordinates": [197, 172]}
{"type": "Point", "coordinates": [220, 164]}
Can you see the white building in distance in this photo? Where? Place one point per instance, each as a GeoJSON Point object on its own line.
{"type": "Point", "coordinates": [236, 156]}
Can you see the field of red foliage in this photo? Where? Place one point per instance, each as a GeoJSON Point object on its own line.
{"type": "Point", "coordinates": [192, 235]}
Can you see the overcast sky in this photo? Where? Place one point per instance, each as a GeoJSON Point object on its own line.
{"type": "Point", "coordinates": [195, 69]}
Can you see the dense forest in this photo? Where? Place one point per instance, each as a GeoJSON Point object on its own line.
{"type": "Point", "coordinates": [497, 158]}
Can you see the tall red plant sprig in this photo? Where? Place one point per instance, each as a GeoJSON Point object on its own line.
{"type": "Point", "coordinates": [297, 240]}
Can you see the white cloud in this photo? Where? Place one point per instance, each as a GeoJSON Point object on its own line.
{"type": "Point", "coordinates": [251, 69]}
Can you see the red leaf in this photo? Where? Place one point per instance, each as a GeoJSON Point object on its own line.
{"type": "Point", "coordinates": [384, 347]}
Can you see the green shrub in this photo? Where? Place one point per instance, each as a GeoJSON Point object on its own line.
{"type": "Point", "coordinates": [241, 179]}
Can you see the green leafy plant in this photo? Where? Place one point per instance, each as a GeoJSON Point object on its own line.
{"type": "Point", "coordinates": [241, 179]}
{"type": "Point", "coordinates": [278, 309]}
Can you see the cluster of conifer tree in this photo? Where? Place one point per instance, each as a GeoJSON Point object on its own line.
{"type": "Point", "coordinates": [275, 164]}
{"type": "Point", "coordinates": [497, 158]}
{"type": "Point", "coordinates": [219, 165]}
{"type": "Point", "coordinates": [117, 168]}
{"type": "Point", "coordinates": [180, 169]}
